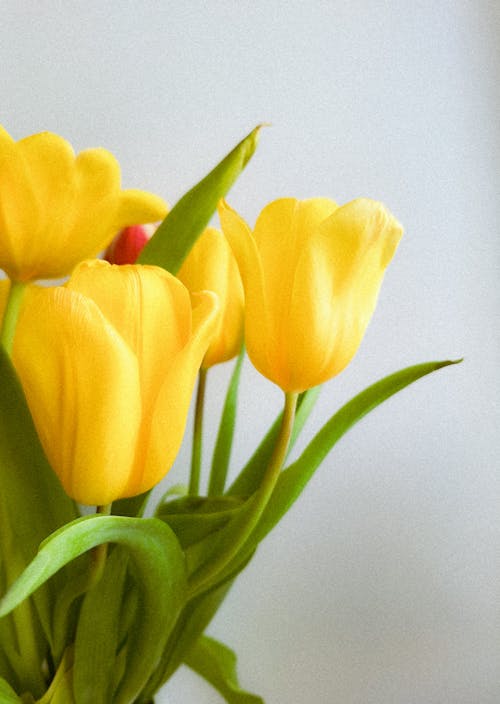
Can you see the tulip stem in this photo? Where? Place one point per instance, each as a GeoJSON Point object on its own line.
{"type": "Point", "coordinates": [11, 314]}
{"type": "Point", "coordinates": [194, 479]}
{"type": "Point", "coordinates": [207, 574]}
{"type": "Point", "coordinates": [98, 554]}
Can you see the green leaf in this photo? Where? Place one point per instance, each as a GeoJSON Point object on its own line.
{"type": "Point", "coordinates": [159, 572]}
{"type": "Point", "coordinates": [216, 663]}
{"type": "Point", "coordinates": [133, 506]}
{"type": "Point", "coordinates": [193, 620]}
{"type": "Point", "coordinates": [293, 480]}
{"type": "Point", "coordinates": [198, 613]}
{"type": "Point", "coordinates": [251, 475]}
{"type": "Point", "coordinates": [7, 694]}
{"type": "Point", "coordinates": [98, 632]}
{"type": "Point", "coordinates": [32, 501]}
{"type": "Point", "coordinates": [30, 491]}
{"type": "Point", "coordinates": [176, 235]}
{"type": "Point", "coordinates": [224, 442]}
{"type": "Point", "coordinates": [193, 518]}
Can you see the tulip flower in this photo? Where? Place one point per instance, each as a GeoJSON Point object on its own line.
{"type": "Point", "coordinates": [128, 244]}
{"type": "Point", "coordinates": [210, 265]}
{"type": "Point", "coordinates": [57, 209]}
{"type": "Point", "coordinates": [108, 363]}
{"type": "Point", "coordinates": [311, 272]}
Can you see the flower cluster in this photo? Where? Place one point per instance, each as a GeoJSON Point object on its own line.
{"type": "Point", "coordinates": [107, 363]}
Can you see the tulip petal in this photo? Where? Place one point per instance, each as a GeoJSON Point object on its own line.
{"type": "Point", "coordinates": [56, 210]}
{"type": "Point", "coordinates": [19, 210]}
{"type": "Point", "coordinates": [5, 138]}
{"type": "Point", "coordinates": [138, 207]}
{"type": "Point", "coordinates": [282, 233]}
{"type": "Point", "coordinates": [257, 326]}
{"type": "Point", "coordinates": [163, 427]}
{"type": "Point", "coordinates": [82, 386]}
{"type": "Point", "coordinates": [150, 308]}
{"type": "Point", "coordinates": [345, 266]}
{"type": "Point", "coordinates": [211, 266]}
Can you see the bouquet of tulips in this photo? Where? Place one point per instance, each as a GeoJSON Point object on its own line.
{"type": "Point", "coordinates": [102, 605]}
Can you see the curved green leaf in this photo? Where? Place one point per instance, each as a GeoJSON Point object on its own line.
{"type": "Point", "coordinates": [216, 663]}
{"type": "Point", "coordinates": [30, 492]}
{"type": "Point", "coordinates": [7, 694]}
{"type": "Point", "coordinates": [293, 479]}
{"type": "Point", "coordinates": [98, 633]}
{"type": "Point", "coordinates": [160, 570]}
{"type": "Point", "coordinates": [193, 518]}
{"type": "Point", "coordinates": [176, 235]}
{"type": "Point", "coordinates": [134, 506]}
{"type": "Point", "coordinates": [193, 620]}
{"type": "Point", "coordinates": [224, 442]}
{"type": "Point", "coordinates": [32, 505]}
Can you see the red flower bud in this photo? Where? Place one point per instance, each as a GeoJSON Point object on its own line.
{"type": "Point", "coordinates": [127, 245]}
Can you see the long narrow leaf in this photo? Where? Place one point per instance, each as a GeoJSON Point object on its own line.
{"type": "Point", "coordinates": [96, 643]}
{"type": "Point", "coordinates": [7, 694]}
{"type": "Point", "coordinates": [224, 442]}
{"type": "Point", "coordinates": [174, 238]}
{"type": "Point", "coordinates": [216, 663]}
{"type": "Point", "coordinates": [32, 501]}
{"type": "Point", "coordinates": [193, 518]}
{"type": "Point", "coordinates": [293, 480]}
{"type": "Point", "coordinates": [192, 622]}
{"type": "Point", "coordinates": [160, 571]}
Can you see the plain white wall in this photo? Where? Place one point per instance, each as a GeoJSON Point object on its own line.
{"type": "Point", "coordinates": [381, 586]}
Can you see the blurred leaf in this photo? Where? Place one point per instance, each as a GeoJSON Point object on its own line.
{"type": "Point", "coordinates": [224, 442]}
{"type": "Point", "coordinates": [158, 568]}
{"type": "Point", "coordinates": [193, 518]}
{"type": "Point", "coordinates": [133, 506]}
{"type": "Point", "coordinates": [193, 620]}
{"type": "Point", "coordinates": [98, 632]}
{"type": "Point", "coordinates": [251, 475]}
{"type": "Point", "coordinates": [172, 241]}
{"type": "Point", "coordinates": [216, 663]}
{"type": "Point", "coordinates": [32, 501]}
{"type": "Point", "coordinates": [7, 694]}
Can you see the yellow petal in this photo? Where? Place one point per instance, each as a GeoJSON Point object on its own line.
{"type": "Point", "coordinates": [211, 266]}
{"type": "Point", "coordinates": [358, 242]}
{"type": "Point", "coordinates": [5, 138]}
{"type": "Point", "coordinates": [163, 428]}
{"type": "Point", "coordinates": [139, 207]}
{"type": "Point", "coordinates": [282, 232]}
{"type": "Point", "coordinates": [19, 212]}
{"type": "Point", "coordinates": [150, 308]}
{"type": "Point", "coordinates": [56, 210]}
{"type": "Point", "coordinates": [258, 331]}
{"type": "Point", "coordinates": [82, 386]}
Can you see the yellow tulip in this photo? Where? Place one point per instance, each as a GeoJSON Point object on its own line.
{"type": "Point", "coordinates": [211, 266]}
{"type": "Point", "coordinates": [57, 209]}
{"type": "Point", "coordinates": [311, 272]}
{"type": "Point", "coordinates": [108, 363]}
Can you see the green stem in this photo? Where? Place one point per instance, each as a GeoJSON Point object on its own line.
{"type": "Point", "coordinates": [12, 308]}
{"type": "Point", "coordinates": [194, 479]}
{"type": "Point", "coordinates": [202, 579]}
{"type": "Point", "coordinates": [81, 584]}
{"type": "Point", "coordinates": [224, 442]}
{"type": "Point", "coordinates": [98, 554]}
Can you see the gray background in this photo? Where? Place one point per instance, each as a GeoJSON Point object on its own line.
{"type": "Point", "coordinates": [381, 585]}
